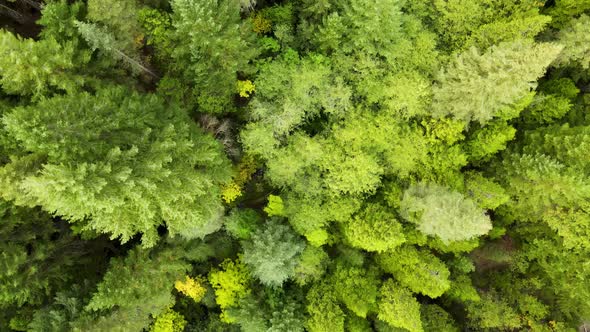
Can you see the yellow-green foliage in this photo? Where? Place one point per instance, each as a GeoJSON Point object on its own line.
{"type": "Point", "coordinates": [230, 283]}
{"type": "Point", "coordinates": [245, 88]}
{"type": "Point", "coordinates": [275, 206]}
{"type": "Point", "coordinates": [192, 288]}
{"type": "Point", "coordinates": [261, 24]}
{"type": "Point", "coordinates": [156, 24]}
{"type": "Point", "coordinates": [169, 321]}
{"type": "Point", "coordinates": [246, 168]}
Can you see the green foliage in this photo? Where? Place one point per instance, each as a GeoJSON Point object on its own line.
{"type": "Point", "coordinates": [324, 312]}
{"type": "Point", "coordinates": [482, 23]}
{"type": "Point", "coordinates": [311, 266]}
{"type": "Point", "coordinates": [231, 283]}
{"type": "Point", "coordinates": [242, 223]}
{"type": "Point", "coordinates": [169, 321]}
{"type": "Point", "coordinates": [101, 161]}
{"type": "Point", "coordinates": [436, 318]}
{"type": "Point", "coordinates": [418, 270]}
{"type": "Point", "coordinates": [374, 229]}
{"type": "Point", "coordinates": [479, 87]}
{"type": "Point", "coordinates": [493, 313]}
{"type": "Point", "coordinates": [157, 25]}
{"type": "Point", "coordinates": [445, 214]}
{"type": "Point", "coordinates": [272, 252]}
{"type": "Point", "coordinates": [139, 281]}
{"type": "Point", "coordinates": [121, 19]}
{"type": "Point", "coordinates": [398, 307]}
{"type": "Point", "coordinates": [356, 288]}
{"type": "Point", "coordinates": [373, 145]}
{"type": "Point", "coordinates": [574, 38]}
{"type": "Point", "coordinates": [275, 206]}
{"type": "Point", "coordinates": [100, 38]}
{"type": "Point", "coordinates": [38, 256]}
{"type": "Point", "coordinates": [562, 11]}
{"type": "Point", "coordinates": [485, 192]}
{"type": "Point", "coordinates": [31, 68]}
{"type": "Point", "coordinates": [489, 140]}
{"type": "Point", "coordinates": [209, 60]}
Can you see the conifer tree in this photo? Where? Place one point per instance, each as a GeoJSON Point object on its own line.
{"type": "Point", "coordinates": [418, 270]}
{"type": "Point", "coordinates": [272, 252]}
{"type": "Point", "coordinates": [34, 68]}
{"type": "Point", "coordinates": [398, 307]}
{"type": "Point", "coordinates": [209, 60]}
{"type": "Point", "coordinates": [118, 163]}
{"type": "Point", "coordinates": [575, 38]}
{"type": "Point", "coordinates": [139, 281]}
{"type": "Point", "coordinates": [445, 214]}
{"type": "Point", "coordinates": [479, 86]}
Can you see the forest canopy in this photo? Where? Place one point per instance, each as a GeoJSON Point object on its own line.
{"type": "Point", "coordinates": [295, 165]}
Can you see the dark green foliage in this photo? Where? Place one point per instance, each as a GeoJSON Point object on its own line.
{"type": "Point", "coordinates": [38, 256]}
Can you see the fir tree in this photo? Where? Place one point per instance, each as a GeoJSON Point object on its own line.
{"type": "Point", "coordinates": [116, 162]}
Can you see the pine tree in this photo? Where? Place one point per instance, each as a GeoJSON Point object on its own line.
{"type": "Point", "coordinates": [116, 162]}
{"type": "Point", "coordinates": [39, 256]}
{"type": "Point", "coordinates": [99, 38]}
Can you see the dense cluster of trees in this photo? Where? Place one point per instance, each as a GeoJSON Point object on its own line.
{"type": "Point", "coordinates": [294, 165]}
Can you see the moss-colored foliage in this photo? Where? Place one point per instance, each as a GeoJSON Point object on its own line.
{"type": "Point", "coordinates": [275, 206]}
{"type": "Point", "coordinates": [356, 288]}
{"type": "Point", "coordinates": [374, 229]}
{"type": "Point", "coordinates": [231, 283]}
{"type": "Point", "coordinates": [245, 88]}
